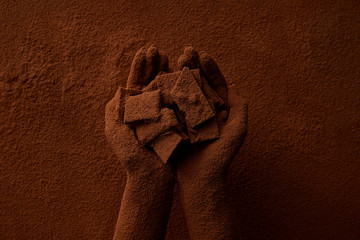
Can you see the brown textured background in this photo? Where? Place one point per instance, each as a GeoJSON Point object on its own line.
{"type": "Point", "coordinates": [298, 173]}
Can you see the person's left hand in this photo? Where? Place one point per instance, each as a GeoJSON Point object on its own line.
{"type": "Point", "coordinates": [210, 161]}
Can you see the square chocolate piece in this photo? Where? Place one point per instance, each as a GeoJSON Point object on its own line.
{"type": "Point", "coordinates": [196, 74]}
{"type": "Point", "coordinates": [124, 94]}
{"type": "Point", "coordinates": [191, 100]}
{"type": "Point", "coordinates": [205, 132]}
{"type": "Point", "coordinates": [167, 144]}
{"type": "Point", "coordinates": [166, 83]}
{"type": "Point", "coordinates": [146, 132]}
{"type": "Point", "coordinates": [142, 107]}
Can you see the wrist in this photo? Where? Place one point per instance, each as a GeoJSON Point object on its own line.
{"type": "Point", "coordinates": [140, 162]}
{"type": "Point", "coordinates": [201, 180]}
{"type": "Point", "coordinates": [157, 181]}
{"type": "Point", "coordinates": [149, 170]}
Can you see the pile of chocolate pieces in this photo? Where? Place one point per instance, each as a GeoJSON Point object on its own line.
{"type": "Point", "coordinates": [174, 109]}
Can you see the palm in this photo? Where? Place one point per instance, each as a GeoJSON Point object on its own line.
{"type": "Point", "coordinates": [214, 158]}
{"type": "Point", "coordinates": [121, 137]}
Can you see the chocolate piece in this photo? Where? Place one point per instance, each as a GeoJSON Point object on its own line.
{"type": "Point", "coordinates": [191, 100]}
{"type": "Point", "coordinates": [151, 87]}
{"type": "Point", "coordinates": [207, 131]}
{"type": "Point", "coordinates": [181, 127]}
{"type": "Point", "coordinates": [196, 74]}
{"type": "Point", "coordinates": [167, 144]}
{"type": "Point", "coordinates": [166, 82]}
{"type": "Point", "coordinates": [146, 132]}
{"type": "Point", "coordinates": [142, 107]}
{"type": "Point", "coordinates": [124, 94]}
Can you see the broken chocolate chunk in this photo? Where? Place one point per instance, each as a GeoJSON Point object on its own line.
{"type": "Point", "coordinates": [191, 100]}
{"type": "Point", "coordinates": [142, 107]}
{"type": "Point", "coordinates": [205, 132]}
{"type": "Point", "coordinates": [146, 132]}
{"type": "Point", "coordinates": [166, 83]}
{"type": "Point", "coordinates": [151, 87]}
{"type": "Point", "coordinates": [124, 94]}
{"type": "Point", "coordinates": [167, 144]}
{"type": "Point", "coordinates": [196, 74]}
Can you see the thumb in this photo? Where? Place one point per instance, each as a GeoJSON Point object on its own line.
{"type": "Point", "coordinates": [235, 128]}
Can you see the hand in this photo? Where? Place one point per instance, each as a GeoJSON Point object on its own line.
{"type": "Point", "coordinates": [147, 197]}
{"type": "Point", "coordinates": [201, 173]}
{"type": "Point", "coordinates": [211, 161]}
{"type": "Point", "coordinates": [135, 158]}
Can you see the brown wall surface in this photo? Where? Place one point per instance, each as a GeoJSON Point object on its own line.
{"type": "Point", "coordinates": [298, 63]}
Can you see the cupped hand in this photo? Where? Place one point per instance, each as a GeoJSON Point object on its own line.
{"type": "Point", "coordinates": [134, 157]}
{"type": "Point", "coordinates": [210, 161]}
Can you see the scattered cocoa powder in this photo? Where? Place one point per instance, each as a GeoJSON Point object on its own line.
{"type": "Point", "coordinates": [297, 175]}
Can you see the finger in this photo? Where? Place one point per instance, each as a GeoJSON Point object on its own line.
{"type": "Point", "coordinates": [190, 58]}
{"type": "Point", "coordinates": [119, 103]}
{"type": "Point", "coordinates": [152, 63]}
{"type": "Point", "coordinates": [113, 108]}
{"type": "Point", "coordinates": [118, 134]}
{"type": "Point", "coordinates": [211, 94]}
{"type": "Point", "coordinates": [110, 111]}
{"type": "Point", "coordinates": [164, 62]}
{"type": "Point", "coordinates": [238, 115]}
{"type": "Point", "coordinates": [136, 76]}
{"type": "Point", "coordinates": [233, 134]}
{"type": "Point", "coordinates": [215, 78]}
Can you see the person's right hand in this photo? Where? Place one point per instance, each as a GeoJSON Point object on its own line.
{"type": "Point", "coordinates": [134, 157]}
{"type": "Point", "coordinates": [147, 197]}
